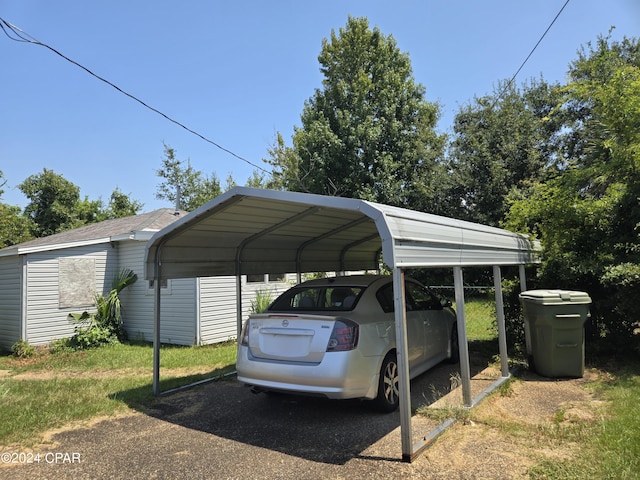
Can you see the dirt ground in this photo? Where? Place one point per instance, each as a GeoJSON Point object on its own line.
{"type": "Point", "coordinates": [501, 438]}
{"type": "Point", "coordinates": [195, 434]}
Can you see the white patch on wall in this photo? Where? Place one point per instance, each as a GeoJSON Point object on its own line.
{"type": "Point", "coordinates": [76, 278]}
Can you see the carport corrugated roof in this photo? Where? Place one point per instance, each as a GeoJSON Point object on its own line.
{"type": "Point", "coordinates": [256, 231]}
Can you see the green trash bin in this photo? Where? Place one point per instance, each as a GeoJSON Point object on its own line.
{"type": "Point", "coordinates": [554, 330]}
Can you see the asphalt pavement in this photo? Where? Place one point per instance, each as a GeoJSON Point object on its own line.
{"type": "Point", "coordinates": [221, 430]}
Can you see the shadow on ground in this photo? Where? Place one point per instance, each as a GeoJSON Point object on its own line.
{"type": "Point", "coordinates": [315, 429]}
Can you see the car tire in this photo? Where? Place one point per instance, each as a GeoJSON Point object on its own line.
{"type": "Point", "coordinates": [387, 400]}
{"type": "Point", "coordinates": [454, 346]}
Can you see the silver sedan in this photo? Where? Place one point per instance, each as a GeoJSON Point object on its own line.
{"type": "Point", "coordinates": [335, 337]}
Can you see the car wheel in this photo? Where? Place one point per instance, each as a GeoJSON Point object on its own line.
{"type": "Point", "coordinates": [454, 346]}
{"type": "Point", "coordinates": [387, 399]}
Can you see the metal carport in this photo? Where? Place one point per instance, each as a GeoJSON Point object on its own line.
{"type": "Point", "coordinates": [256, 231]}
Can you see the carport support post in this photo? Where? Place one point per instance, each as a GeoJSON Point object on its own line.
{"type": "Point", "coordinates": [502, 331]}
{"type": "Point", "coordinates": [238, 306]}
{"type": "Point", "coordinates": [465, 370]}
{"type": "Point", "coordinates": [404, 389]}
{"type": "Point", "coordinates": [523, 278]}
{"type": "Point", "coordinates": [156, 330]}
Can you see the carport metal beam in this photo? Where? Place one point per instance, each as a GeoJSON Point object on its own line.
{"type": "Point", "coordinates": [502, 331]}
{"type": "Point", "coordinates": [328, 234]}
{"type": "Point", "coordinates": [411, 451]}
{"type": "Point", "coordinates": [402, 361]}
{"type": "Point", "coordinates": [348, 247]}
{"type": "Point", "coordinates": [247, 241]}
{"type": "Point", "coordinates": [156, 325]}
{"type": "Point", "coordinates": [468, 402]}
{"type": "Point", "coordinates": [465, 370]}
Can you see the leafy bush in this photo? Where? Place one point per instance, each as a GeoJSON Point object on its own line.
{"type": "Point", "coordinates": [619, 301]}
{"type": "Point", "coordinates": [22, 349]}
{"type": "Point", "coordinates": [513, 318]}
{"type": "Point", "coordinates": [62, 345]}
{"type": "Point", "coordinates": [105, 325]}
{"type": "Point", "coordinates": [261, 301]}
{"type": "Point", "coordinates": [92, 337]}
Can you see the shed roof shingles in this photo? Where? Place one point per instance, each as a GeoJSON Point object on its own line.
{"type": "Point", "coordinates": [151, 221]}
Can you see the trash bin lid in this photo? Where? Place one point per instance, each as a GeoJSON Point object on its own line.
{"type": "Point", "coordinates": [555, 296]}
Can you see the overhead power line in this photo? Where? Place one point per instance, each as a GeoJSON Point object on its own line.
{"type": "Point", "coordinates": [532, 50]}
{"type": "Point", "coordinates": [18, 35]}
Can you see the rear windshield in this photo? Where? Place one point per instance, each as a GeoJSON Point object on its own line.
{"type": "Point", "coordinates": [321, 298]}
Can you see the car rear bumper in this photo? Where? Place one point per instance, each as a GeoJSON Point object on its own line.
{"type": "Point", "coordinates": [340, 375]}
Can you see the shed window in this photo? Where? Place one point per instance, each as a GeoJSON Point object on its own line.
{"type": "Point", "coordinates": [165, 287]}
{"type": "Point", "coordinates": [163, 283]}
{"type": "Point", "coordinates": [77, 282]}
{"type": "Point", "coordinates": [262, 278]}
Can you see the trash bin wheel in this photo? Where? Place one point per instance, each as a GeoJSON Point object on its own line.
{"type": "Point", "coordinates": [531, 362]}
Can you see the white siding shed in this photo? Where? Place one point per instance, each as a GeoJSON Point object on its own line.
{"type": "Point", "coordinates": [10, 300]}
{"type": "Point", "coordinates": [50, 289]}
{"type": "Point", "coordinates": [43, 280]}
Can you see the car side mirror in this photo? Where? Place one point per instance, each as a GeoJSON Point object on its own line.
{"type": "Point", "coordinates": [446, 303]}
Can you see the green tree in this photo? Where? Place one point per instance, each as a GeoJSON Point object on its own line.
{"type": "Point", "coordinates": [14, 227]}
{"type": "Point", "coordinates": [368, 133]}
{"type": "Point", "coordinates": [55, 206]}
{"type": "Point", "coordinates": [88, 211]}
{"type": "Point", "coordinates": [285, 173]}
{"type": "Point", "coordinates": [195, 188]}
{"type": "Point", "coordinates": [120, 205]}
{"type": "Point", "coordinates": [53, 203]}
{"type": "Point", "coordinates": [501, 146]}
{"type": "Point", "coordinates": [258, 180]}
{"type": "Point", "coordinates": [588, 216]}
{"type": "Point", "coordinates": [3, 182]}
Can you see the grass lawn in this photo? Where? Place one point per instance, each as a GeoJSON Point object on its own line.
{"type": "Point", "coordinates": [50, 390]}
{"type": "Point", "coordinates": [479, 315]}
{"type": "Point", "coordinates": [610, 446]}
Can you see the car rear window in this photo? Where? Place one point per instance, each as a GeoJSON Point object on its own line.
{"type": "Point", "coordinates": [319, 298]}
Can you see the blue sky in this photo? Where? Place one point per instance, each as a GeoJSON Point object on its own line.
{"type": "Point", "coordinates": [238, 72]}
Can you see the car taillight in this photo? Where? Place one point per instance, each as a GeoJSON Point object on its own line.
{"type": "Point", "coordinates": [244, 336]}
{"type": "Point", "coordinates": [343, 337]}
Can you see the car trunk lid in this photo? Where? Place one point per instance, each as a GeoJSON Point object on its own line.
{"type": "Point", "coordinates": [290, 338]}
